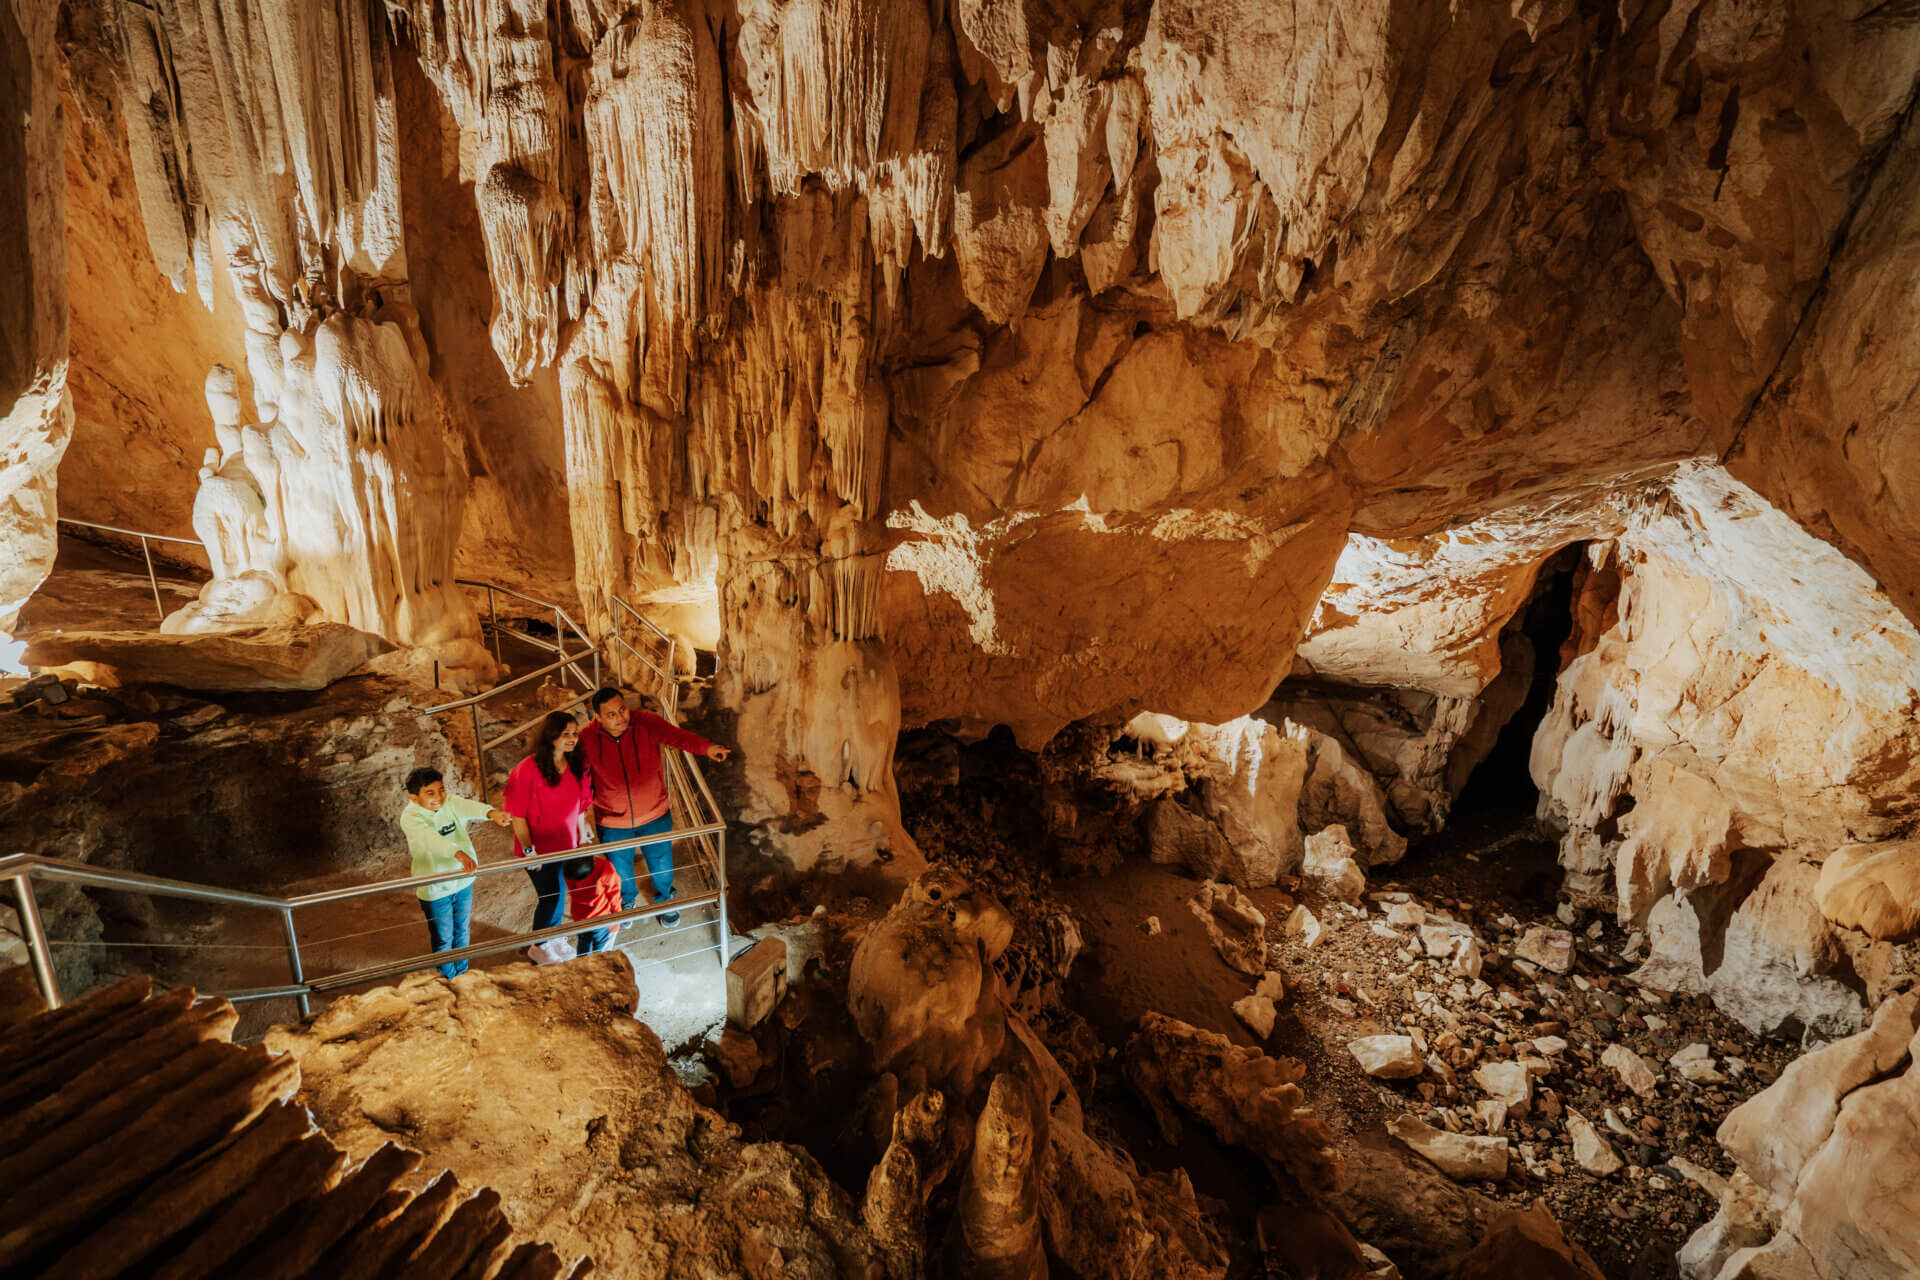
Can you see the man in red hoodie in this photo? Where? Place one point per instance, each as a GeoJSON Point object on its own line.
{"type": "Point", "coordinates": [630, 788]}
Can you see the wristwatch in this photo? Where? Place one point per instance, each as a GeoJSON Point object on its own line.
{"type": "Point", "coordinates": [526, 851]}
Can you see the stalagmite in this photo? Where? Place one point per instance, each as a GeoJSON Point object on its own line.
{"type": "Point", "coordinates": [999, 1211]}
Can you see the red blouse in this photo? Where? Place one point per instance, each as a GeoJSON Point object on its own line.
{"type": "Point", "coordinates": [552, 814]}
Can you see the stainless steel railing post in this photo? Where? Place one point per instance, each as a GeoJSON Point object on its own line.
{"type": "Point", "coordinates": [37, 940]}
{"type": "Point", "coordinates": [152, 581]}
{"type": "Point", "coordinates": [493, 623]}
{"type": "Point", "coordinates": [297, 970]}
{"type": "Point", "coordinates": [479, 753]}
{"type": "Point", "coordinates": [720, 877]}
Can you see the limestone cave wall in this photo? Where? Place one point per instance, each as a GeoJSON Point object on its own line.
{"type": "Point", "coordinates": [995, 363]}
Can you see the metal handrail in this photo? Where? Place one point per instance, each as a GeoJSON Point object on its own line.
{"type": "Point", "coordinates": [561, 619]}
{"type": "Point", "coordinates": [669, 677]}
{"type": "Point", "coordinates": [153, 580]}
{"type": "Point", "coordinates": [707, 836]}
{"type": "Point", "coordinates": [563, 622]}
{"type": "Point", "coordinates": [475, 700]}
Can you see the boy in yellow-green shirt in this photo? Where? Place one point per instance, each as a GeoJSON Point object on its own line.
{"type": "Point", "coordinates": [436, 827]}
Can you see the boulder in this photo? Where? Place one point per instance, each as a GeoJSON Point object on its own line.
{"type": "Point", "coordinates": [1507, 1082]}
{"type": "Point", "coordinates": [1548, 948]}
{"type": "Point", "coordinates": [1530, 1244]}
{"type": "Point", "coordinates": [1632, 1070]}
{"type": "Point", "coordinates": [1330, 865]}
{"type": "Point", "coordinates": [1387, 1057]}
{"type": "Point", "coordinates": [1590, 1150]}
{"type": "Point", "coordinates": [1304, 925]}
{"type": "Point", "coordinates": [1399, 1201]}
{"type": "Point", "coordinates": [1874, 888]}
{"type": "Point", "coordinates": [1252, 774]}
{"type": "Point", "coordinates": [257, 659]}
{"type": "Point", "coordinates": [631, 1171]}
{"type": "Point", "coordinates": [1340, 792]}
{"type": "Point", "coordinates": [1695, 1064]}
{"type": "Point", "coordinates": [1237, 928]}
{"type": "Point", "coordinates": [1462, 1157]}
{"type": "Point", "coordinates": [1781, 966]}
{"type": "Point", "coordinates": [1742, 1222]}
{"type": "Point", "coordinates": [1177, 836]}
{"type": "Point", "coordinates": [1258, 1010]}
{"type": "Point", "coordinates": [1774, 1134]}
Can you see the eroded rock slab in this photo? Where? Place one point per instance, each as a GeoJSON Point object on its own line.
{"type": "Point", "coordinates": [266, 658]}
{"type": "Point", "coordinates": [538, 1078]}
{"type": "Point", "coordinates": [1830, 1148]}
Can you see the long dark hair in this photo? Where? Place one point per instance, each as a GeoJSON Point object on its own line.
{"type": "Point", "coordinates": [550, 730]}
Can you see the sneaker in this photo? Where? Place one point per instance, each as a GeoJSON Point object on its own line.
{"type": "Point", "coordinates": [670, 919]}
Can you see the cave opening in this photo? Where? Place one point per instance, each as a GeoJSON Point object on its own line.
{"type": "Point", "coordinates": [1500, 790]}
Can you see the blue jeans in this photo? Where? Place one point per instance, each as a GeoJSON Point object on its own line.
{"type": "Point", "coordinates": [447, 920]}
{"type": "Point", "coordinates": [659, 860]}
{"type": "Point", "coordinates": [593, 940]}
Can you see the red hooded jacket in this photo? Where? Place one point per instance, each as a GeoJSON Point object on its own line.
{"type": "Point", "coordinates": [629, 787]}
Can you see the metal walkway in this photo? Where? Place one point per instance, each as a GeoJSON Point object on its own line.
{"type": "Point", "coordinates": [638, 647]}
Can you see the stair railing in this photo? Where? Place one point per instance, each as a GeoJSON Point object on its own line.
{"type": "Point", "coordinates": [153, 580]}
{"type": "Point", "coordinates": [568, 664]}
{"type": "Point", "coordinates": [697, 821]}
{"type": "Point", "coordinates": [656, 651]}
{"type": "Point", "coordinates": [703, 828]}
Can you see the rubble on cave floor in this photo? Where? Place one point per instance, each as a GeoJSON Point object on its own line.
{"type": "Point", "coordinates": [1459, 955]}
{"type": "Point", "coordinates": [1528, 1054]}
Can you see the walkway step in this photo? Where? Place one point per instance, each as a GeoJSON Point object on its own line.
{"type": "Point", "coordinates": [143, 1142]}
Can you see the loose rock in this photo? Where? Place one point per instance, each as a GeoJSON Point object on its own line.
{"type": "Point", "coordinates": [1548, 948]}
{"type": "Point", "coordinates": [1460, 1156]}
{"type": "Point", "coordinates": [1590, 1150]}
{"type": "Point", "coordinates": [1387, 1057]}
{"type": "Point", "coordinates": [1632, 1070]}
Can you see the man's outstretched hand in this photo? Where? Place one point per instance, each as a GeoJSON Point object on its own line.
{"type": "Point", "coordinates": [717, 752]}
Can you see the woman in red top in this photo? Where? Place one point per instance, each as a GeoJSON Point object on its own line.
{"type": "Point", "coordinates": [549, 798]}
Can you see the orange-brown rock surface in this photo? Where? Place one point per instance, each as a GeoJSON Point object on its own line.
{"type": "Point", "coordinates": [1017, 364]}
{"type": "Point", "coordinates": [1227, 377]}
{"type": "Point", "coordinates": [539, 1076]}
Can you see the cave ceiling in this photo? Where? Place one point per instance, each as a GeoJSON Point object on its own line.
{"type": "Point", "coordinates": [995, 362]}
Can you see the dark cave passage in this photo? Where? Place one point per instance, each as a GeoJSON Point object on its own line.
{"type": "Point", "coordinates": [1501, 790]}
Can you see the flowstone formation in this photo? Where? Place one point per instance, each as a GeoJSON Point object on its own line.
{"type": "Point", "coordinates": [1736, 705]}
{"type": "Point", "coordinates": [269, 138]}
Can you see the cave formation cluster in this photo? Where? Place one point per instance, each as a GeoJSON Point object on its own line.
{"type": "Point", "coordinates": [1235, 373]}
